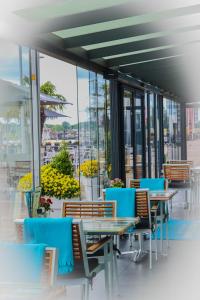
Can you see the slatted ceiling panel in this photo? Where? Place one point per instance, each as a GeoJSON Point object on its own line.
{"type": "Point", "coordinates": [142, 204]}
{"type": "Point", "coordinates": [177, 172]}
{"type": "Point", "coordinates": [89, 209]}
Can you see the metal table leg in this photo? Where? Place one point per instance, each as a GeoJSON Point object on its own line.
{"type": "Point", "coordinates": [161, 226]}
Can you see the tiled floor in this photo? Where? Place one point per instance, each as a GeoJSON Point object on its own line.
{"type": "Point", "coordinates": [175, 276]}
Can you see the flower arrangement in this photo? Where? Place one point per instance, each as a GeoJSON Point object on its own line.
{"type": "Point", "coordinates": [45, 203]}
{"type": "Point", "coordinates": [89, 168]}
{"type": "Point", "coordinates": [56, 177]}
{"type": "Point", "coordinates": [116, 182]}
{"type": "Point", "coordinates": [53, 183]}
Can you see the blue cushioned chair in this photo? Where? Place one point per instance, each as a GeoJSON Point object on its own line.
{"type": "Point", "coordinates": [128, 203]}
{"type": "Point", "coordinates": [154, 184]}
{"type": "Point", "coordinates": [83, 270]}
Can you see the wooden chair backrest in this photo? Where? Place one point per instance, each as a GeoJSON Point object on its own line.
{"type": "Point", "coordinates": [177, 172]}
{"type": "Point", "coordinates": [49, 270]}
{"type": "Point", "coordinates": [142, 203]}
{"type": "Point", "coordinates": [189, 162]}
{"type": "Point", "coordinates": [86, 209]}
{"type": "Point", "coordinates": [135, 183]}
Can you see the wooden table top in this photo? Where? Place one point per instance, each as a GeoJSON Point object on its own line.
{"type": "Point", "coordinates": [162, 195]}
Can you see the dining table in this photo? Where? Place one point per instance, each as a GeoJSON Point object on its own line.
{"type": "Point", "coordinates": [162, 197]}
{"type": "Point", "coordinates": [108, 226]}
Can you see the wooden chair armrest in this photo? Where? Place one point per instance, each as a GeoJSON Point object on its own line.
{"type": "Point", "coordinates": [92, 248]}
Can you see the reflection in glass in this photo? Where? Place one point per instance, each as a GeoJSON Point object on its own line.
{"type": "Point", "coordinates": [172, 131]}
{"type": "Point", "coordinates": [128, 144]}
{"type": "Point", "coordinates": [15, 133]}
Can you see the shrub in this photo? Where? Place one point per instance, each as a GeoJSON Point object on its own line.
{"type": "Point", "coordinates": [62, 161]}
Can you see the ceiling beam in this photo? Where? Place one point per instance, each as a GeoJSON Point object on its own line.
{"type": "Point", "coordinates": [175, 25]}
{"type": "Point", "coordinates": [137, 58]}
{"type": "Point", "coordinates": [171, 62]}
{"type": "Point", "coordinates": [174, 39]}
{"type": "Point", "coordinates": [126, 10]}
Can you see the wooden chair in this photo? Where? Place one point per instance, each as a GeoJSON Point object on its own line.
{"type": "Point", "coordinates": [143, 211]}
{"type": "Point", "coordinates": [179, 176]}
{"type": "Point", "coordinates": [50, 268]}
{"type": "Point", "coordinates": [155, 211]}
{"type": "Point", "coordinates": [93, 209]}
{"type": "Point", "coordinates": [177, 172]}
{"type": "Point", "coordinates": [89, 209]}
{"type": "Point", "coordinates": [146, 225]}
{"type": "Point", "coordinates": [84, 269]}
{"type": "Point", "coordinates": [44, 288]}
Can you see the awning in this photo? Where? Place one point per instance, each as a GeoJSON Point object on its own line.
{"type": "Point", "coordinates": [53, 114]}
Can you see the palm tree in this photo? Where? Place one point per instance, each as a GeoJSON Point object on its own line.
{"type": "Point", "coordinates": [49, 89]}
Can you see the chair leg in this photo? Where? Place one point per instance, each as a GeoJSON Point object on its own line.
{"type": "Point", "coordinates": [150, 251]}
{"type": "Point", "coordinates": [106, 272]}
{"type": "Point", "coordinates": [156, 240]}
{"type": "Point", "coordinates": [86, 290]}
{"type": "Point", "coordinates": [116, 273]}
{"type": "Point", "coordinates": [167, 233]}
{"type": "Point", "coordinates": [83, 291]}
{"type": "Point", "coordinates": [130, 239]}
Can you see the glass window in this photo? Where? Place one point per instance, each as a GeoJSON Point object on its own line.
{"type": "Point", "coordinates": [152, 134]}
{"type": "Point", "coordinates": [128, 144]}
{"type": "Point", "coordinates": [15, 133]}
{"type": "Point", "coordinates": [172, 130]}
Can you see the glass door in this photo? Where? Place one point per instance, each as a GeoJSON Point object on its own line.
{"type": "Point", "coordinates": [128, 139]}
{"type": "Point", "coordinates": [139, 126]}
{"type": "Point", "coordinates": [134, 134]}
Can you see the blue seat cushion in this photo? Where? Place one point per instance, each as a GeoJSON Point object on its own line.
{"type": "Point", "coordinates": [125, 198]}
{"type": "Point", "coordinates": [152, 184]}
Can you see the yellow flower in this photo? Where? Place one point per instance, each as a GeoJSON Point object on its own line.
{"type": "Point", "coordinates": [89, 168]}
{"type": "Point", "coordinates": [54, 183]}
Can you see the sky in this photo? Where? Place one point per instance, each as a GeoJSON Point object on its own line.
{"type": "Point", "coordinates": [63, 76]}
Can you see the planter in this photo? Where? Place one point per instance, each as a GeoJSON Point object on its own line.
{"type": "Point", "coordinates": [89, 188]}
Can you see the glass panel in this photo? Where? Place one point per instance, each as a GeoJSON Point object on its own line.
{"type": "Point", "coordinates": [15, 134]}
{"type": "Point", "coordinates": [152, 135]}
{"type": "Point", "coordinates": [128, 145]}
{"type": "Point", "coordinates": [147, 146]}
{"type": "Point", "coordinates": [158, 136]}
{"type": "Point", "coordinates": [172, 132]}
{"type": "Point", "coordinates": [84, 130]}
{"type": "Point", "coordinates": [102, 104]}
{"type": "Point", "coordinates": [138, 138]}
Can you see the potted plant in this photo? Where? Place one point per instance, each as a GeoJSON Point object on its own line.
{"type": "Point", "coordinates": [89, 179]}
{"type": "Point", "coordinates": [57, 179]}
{"type": "Point", "coordinates": [116, 182]}
{"type": "Point", "coordinates": [45, 206]}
